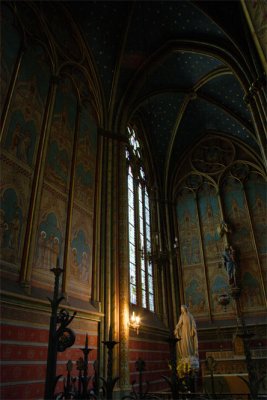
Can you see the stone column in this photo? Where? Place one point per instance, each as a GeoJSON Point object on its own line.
{"type": "Point", "coordinates": [114, 255]}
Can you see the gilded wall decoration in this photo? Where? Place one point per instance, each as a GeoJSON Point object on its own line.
{"type": "Point", "coordinates": [49, 243]}
{"type": "Point", "coordinates": [11, 214]}
{"type": "Point", "coordinates": [50, 236]}
{"type": "Point", "coordinates": [195, 291]}
{"type": "Point", "coordinates": [236, 213]}
{"type": "Point", "coordinates": [256, 189]}
{"type": "Point", "coordinates": [252, 296]}
{"type": "Point", "coordinates": [210, 219]}
{"type": "Point", "coordinates": [15, 186]}
{"type": "Point", "coordinates": [188, 230]}
{"type": "Point", "coordinates": [223, 192]}
{"type": "Point", "coordinates": [27, 107]}
{"type": "Point", "coordinates": [80, 255]}
{"type": "Point", "coordinates": [59, 153]}
{"type": "Point", "coordinates": [86, 160]}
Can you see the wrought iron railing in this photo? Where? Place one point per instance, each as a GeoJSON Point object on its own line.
{"type": "Point", "coordinates": [80, 385]}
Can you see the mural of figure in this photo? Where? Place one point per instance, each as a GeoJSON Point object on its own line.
{"type": "Point", "coordinates": [3, 227]}
{"type": "Point", "coordinates": [23, 146]}
{"type": "Point", "coordinates": [229, 257]}
{"type": "Point", "coordinates": [84, 265]}
{"type": "Point", "coordinates": [41, 249]}
{"type": "Point", "coordinates": [21, 142]}
{"type": "Point", "coordinates": [14, 231]}
{"type": "Point", "coordinates": [47, 252]}
{"type": "Point", "coordinates": [17, 134]}
{"type": "Point", "coordinates": [74, 263]}
{"type": "Point", "coordinates": [54, 252]}
{"type": "Point", "coordinates": [186, 331]}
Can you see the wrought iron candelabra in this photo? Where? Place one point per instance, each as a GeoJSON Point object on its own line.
{"type": "Point", "coordinates": [82, 365]}
{"type": "Point", "coordinates": [173, 381]}
{"type": "Point", "coordinates": [211, 365]}
{"type": "Point", "coordinates": [110, 382]}
{"type": "Point", "coordinates": [161, 255]}
{"type": "Point", "coordinates": [60, 338]}
{"type": "Point", "coordinates": [77, 387]}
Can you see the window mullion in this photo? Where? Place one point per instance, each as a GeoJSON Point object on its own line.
{"type": "Point", "coordinates": [138, 244]}
{"type": "Point", "coordinates": [145, 238]}
{"type": "Point", "coordinates": [140, 267]}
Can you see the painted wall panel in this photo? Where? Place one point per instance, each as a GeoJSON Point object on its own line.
{"type": "Point", "coordinates": [15, 187]}
{"type": "Point", "coordinates": [188, 230]}
{"type": "Point", "coordinates": [236, 214]}
{"type": "Point", "coordinates": [80, 255]}
{"type": "Point", "coordinates": [210, 219]}
{"type": "Point", "coordinates": [195, 290]}
{"type": "Point", "coordinates": [49, 244]}
{"type": "Point", "coordinates": [256, 191]}
{"type": "Point", "coordinates": [223, 189]}
{"type": "Point", "coordinates": [10, 45]}
{"type": "Point", "coordinates": [86, 161]}
{"type": "Point", "coordinates": [59, 153]}
{"type": "Point", "coordinates": [27, 107]}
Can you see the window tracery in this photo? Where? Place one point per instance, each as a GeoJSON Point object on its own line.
{"type": "Point", "coordinates": [139, 227]}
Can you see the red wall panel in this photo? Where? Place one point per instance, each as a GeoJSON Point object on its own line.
{"type": "Point", "coordinates": [24, 354]}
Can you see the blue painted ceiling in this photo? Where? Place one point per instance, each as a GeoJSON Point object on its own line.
{"type": "Point", "coordinates": [161, 61]}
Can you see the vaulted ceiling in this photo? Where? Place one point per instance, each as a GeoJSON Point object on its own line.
{"type": "Point", "coordinates": [179, 67]}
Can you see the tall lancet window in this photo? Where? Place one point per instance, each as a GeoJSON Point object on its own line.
{"type": "Point", "coordinates": [139, 220]}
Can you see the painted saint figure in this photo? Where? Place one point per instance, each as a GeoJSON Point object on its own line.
{"type": "Point", "coordinates": [186, 331]}
{"type": "Point", "coordinates": [230, 264]}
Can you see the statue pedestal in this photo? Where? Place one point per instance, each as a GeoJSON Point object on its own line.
{"type": "Point", "coordinates": [187, 370]}
{"type": "Point", "coordinates": [191, 361]}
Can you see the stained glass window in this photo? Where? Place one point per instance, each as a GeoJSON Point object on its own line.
{"type": "Point", "coordinates": [139, 230]}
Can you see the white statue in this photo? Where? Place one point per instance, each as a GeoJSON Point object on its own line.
{"type": "Point", "coordinates": [186, 331]}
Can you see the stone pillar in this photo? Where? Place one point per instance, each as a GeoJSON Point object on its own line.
{"type": "Point", "coordinates": [124, 274]}
{"type": "Point", "coordinates": [114, 255]}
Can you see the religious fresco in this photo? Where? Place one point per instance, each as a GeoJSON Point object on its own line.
{"type": "Point", "coordinates": [11, 214]}
{"type": "Point", "coordinates": [210, 219]}
{"type": "Point", "coordinates": [49, 243]}
{"type": "Point", "coordinates": [86, 161]}
{"type": "Point", "coordinates": [20, 140]}
{"type": "Point", "coordinates": [256, 192]}
{"type": "Point", "coordinates": [14, 204]}
{"type": "Point", "coordinates": [80, 254]}
{"type": "Point", "coordinates": [9, 50]}
{"type": "Point", "coordinates": [59, 153]}
{"type": "Point", "coordinates": [188, 230]}
{"type": "Point", "coordinates": [252, 295]}
{"type": "Point", "coordinates": [50, 236]}
{"type": "Point", "coordinates": [79, 263]}
{"type": "Point", "coordinates": [27, 107]}
{"type": "Point", "coordinates": [236, 214]}
{"type": "Point", "coordinates": [195, 291]}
